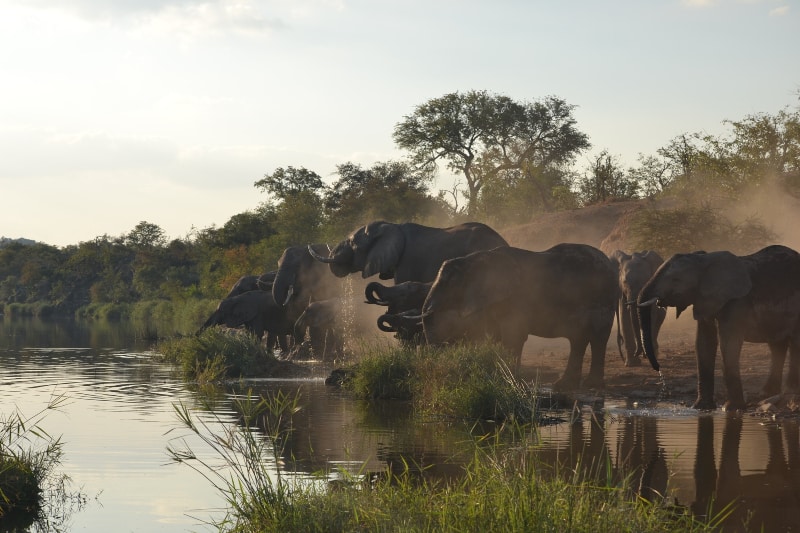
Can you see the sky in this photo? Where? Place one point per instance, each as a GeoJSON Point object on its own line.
{"type": "Point", "coordinates": [114, 112]}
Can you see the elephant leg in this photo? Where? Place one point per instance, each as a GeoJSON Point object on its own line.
{"type": "Point", "coordinates": [793, 376]}
{"type": "Point", "coordinates": [706, 348]}
{"type": "Point", "coordinates": [777, 352]}
{"type": "Point", "coordinates": [630, 328]}
{"type": "Point", "coordinates": [572, 375]}
{"type": "Point", "coordinates": [596, 379]}
{"type": "Point", "coordinates": [731, 339]}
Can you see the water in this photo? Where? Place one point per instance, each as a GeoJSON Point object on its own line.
{"type": "Point", "coordinates": [119, 420]}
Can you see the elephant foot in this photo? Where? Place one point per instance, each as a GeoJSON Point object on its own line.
{"type": "Point", "coordinates": [565, 383]}
{"type": "Point", "coordinates": [732, 405]}
{"type": "Point", "coordinates": [704, 404]}
{"type": "Point", "coordinates": [594, 382]}
{"type": "Point", "coordinates": [633, 361]}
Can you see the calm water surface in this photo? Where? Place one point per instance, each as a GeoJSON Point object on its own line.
{"type": "Point", "coordinates": [119, 420]}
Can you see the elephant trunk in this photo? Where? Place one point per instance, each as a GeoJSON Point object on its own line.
{"type": "Point", "coordinates": [646, 321]}
{"type": "Point", "coordinates": [371, 293]}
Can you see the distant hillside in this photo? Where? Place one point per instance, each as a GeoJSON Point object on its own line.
{"type": "Point", "coordinates": [5, 241]}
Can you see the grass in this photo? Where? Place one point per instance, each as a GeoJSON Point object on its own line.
{"type": "Point", "coordinates": [502, 488]}
{"type": "Point", "coordinates": [216, 354]}
{"type": "Point", "coordinates": [464, 381]}
{"type": "Point", "coordinates": [28, 458]}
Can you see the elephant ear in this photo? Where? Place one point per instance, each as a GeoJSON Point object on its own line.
{"type": "Point", "coordinates": [724, 278]}
{"type": "Point", "coordinates": [491, 281]}
{"type": "Point", "coordinates": [386, 246]}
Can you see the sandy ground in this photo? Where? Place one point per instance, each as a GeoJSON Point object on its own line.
{"type": "Point", "coordinates": [544, 360]}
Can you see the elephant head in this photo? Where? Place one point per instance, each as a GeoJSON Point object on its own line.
{"type": "Point", "coordinates": [372, 249]}
{"type": "Point", "coordinates": [706, 281]}
{"type": "Point", "coordinates": [300, 279]}
{"type": "Point", "coordinates": [406, 325]}
{"type": "Point", "coordinates": [633, 271]}
{"type": "Point", "coordinates": [253, 310]}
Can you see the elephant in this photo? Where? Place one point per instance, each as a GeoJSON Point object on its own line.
{"type": "Point", "coordinates": [753, 298]}
{"type": "Point", "coordinates": [256, 312]}
{"type": "Point", "coordinates": [398, 298]}
{"type": "Point", "coordinates": [321, 320]}
{"type": "Point", "coordinates": [634, 271]}
{"type": "Point", "coordinates": [408, 251]}
{"type": "Point", "coordinates": [506, 294]}
{"type": "Point", "coordinates": [406, 325]}
{"type": "Point", "coordinates": [301, 280]}
{"type": "Point", "coordinates": [252, 283]}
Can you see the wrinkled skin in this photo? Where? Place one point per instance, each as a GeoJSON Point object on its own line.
{"type": "Point", "coordinates": [321, 320]}
{"type": "Point", "coordinates": [301, 280]}
{"type": "Point", "coordinates": [634, 272]}
{"type": "Point", "coordinates": [256, 312]}
{"type": "Point", "coordinates": [753, 298]}
{"type": "Point", "coordinates": [408, 252]}
{"type": "Point", "coordinates": [506, 294]}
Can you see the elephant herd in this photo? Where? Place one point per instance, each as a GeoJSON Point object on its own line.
{"type": "Point", "coordinates": [466, 284]}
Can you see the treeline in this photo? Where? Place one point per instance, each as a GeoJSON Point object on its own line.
{"type": "Point", "coordinates": [512, 160]}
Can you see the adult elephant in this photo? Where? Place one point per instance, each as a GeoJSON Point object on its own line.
{"type": "Point", "coordinates": [257, 313]}
{"type": "Point", "coordinates": [408, 251]}
{"type": "Point", "coordinates": [506, 294]}
{"type": "Point", "coordinates": [634, 271]}
{"type": "Point", "coordinates": [754, 298]}
{"type": "Point", "coordinates": [301, 280]}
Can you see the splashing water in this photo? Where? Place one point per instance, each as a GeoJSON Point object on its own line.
{"type": "Point", "coordinates": [664, 391]}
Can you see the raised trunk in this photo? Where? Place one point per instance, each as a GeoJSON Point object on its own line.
{"type": "Point", "coordinates": [646, 323]}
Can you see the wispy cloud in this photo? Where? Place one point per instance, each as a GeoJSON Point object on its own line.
{"type": "Point", "coordinates": [779, 11]}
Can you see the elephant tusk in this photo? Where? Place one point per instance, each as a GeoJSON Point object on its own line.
{"type": "Point", "coordinates": [318, 257]}
{"type": "Point", "coordinates": [289, 294]}
{"type": "Point", "coordinates": [649, 302]}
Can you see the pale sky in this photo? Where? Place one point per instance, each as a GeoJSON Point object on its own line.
{"type": "Point", "coordinates": [117, 111]}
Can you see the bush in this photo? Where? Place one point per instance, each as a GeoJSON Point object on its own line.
{"type": "Point", "coordinates": [217, 353]}
{"type": "Point", "coordinates": [464, 381]}
{"type": "Point", "coordinates": [688, 229]}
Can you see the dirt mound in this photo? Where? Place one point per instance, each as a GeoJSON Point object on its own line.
{"type": "Point", "coordinates": [603, 226]}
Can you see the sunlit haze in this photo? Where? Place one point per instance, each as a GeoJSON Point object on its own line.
{"type": "Point", "coordinates": [114, 112]}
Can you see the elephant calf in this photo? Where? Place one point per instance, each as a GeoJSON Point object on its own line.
{"type": "Point", "coordinates": [506, 294]}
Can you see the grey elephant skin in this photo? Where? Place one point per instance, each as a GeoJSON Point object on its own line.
{"type": "Point", "coordinates": [408, 251]}
{"type": "Point", "coordinates": [506, 294]}
{"type": "Point", "coordinates": [256, 312]}
{"type": "Point", "coordinates": [753, 298]}
{"type": "Point", "coordinates": [634, 271]}
{"type": "Point", "coordinates": [403, 304]}
{"type": "Point", "coordinates": [252, 283]}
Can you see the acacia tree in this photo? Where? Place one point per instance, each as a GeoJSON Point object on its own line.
{"type": "Point", "coordinates": [483, 135]}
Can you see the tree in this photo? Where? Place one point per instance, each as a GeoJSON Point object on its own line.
{"type": "Point", "coordinates": [145, 235]}
{"type": "Point", "coordinates": [392, 191]}
{"type": "Point", "coordinates": [483, 135]}
{"type": "Point", "coordinates": [288, 182]}
{"type": "Point", "coordinates": [606, 180]}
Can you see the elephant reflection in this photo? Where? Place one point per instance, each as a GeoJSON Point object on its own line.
{"type": "Point", "coordinates": [764, 501]}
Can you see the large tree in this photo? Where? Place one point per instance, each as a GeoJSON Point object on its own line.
{"type": "Point", "coordinates": [483, 135]}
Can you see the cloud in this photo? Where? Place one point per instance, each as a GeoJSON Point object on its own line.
{"type": "Point", "coordinates": [699, 4]}
{"type": "Point", "coordinates": [184, 17]}
{"type": "Point", "coordinates": [779, 11]}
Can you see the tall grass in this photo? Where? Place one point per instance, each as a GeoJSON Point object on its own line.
{"type": "Point", "coordinates": [503, 488]}
{"type": "Point", "coordinates": [28, 458]}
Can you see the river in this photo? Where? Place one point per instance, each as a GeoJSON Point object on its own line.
{"type": "Point", "coordinates": [118, 420]}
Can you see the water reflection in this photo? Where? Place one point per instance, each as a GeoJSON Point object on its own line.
{"type": "Point", "coordinates": [120, 421]}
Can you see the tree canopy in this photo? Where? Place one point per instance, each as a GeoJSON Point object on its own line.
{"type": "Point", "coordinates": [486, 137]}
